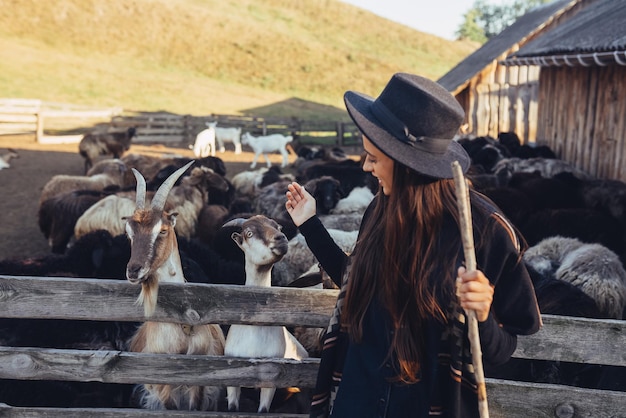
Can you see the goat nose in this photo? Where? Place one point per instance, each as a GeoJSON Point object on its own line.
{"type": "Point", "coordinates": [132, 271]}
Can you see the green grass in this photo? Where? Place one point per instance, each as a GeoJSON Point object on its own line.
{"type": "Point", "coordinates": [271, 58]}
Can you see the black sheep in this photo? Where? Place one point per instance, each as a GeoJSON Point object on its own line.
{"type": "Point", "coordinates": [57, 216]}
{"type": "Point", "coordinates": [587, 225]}
{"type": "Point", "coordinates": [349, 173]}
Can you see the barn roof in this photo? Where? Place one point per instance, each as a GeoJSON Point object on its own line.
{"type": "Point", "coordinates": [535, 20]}
{"type": "Point", "coordinates": [596, 34]}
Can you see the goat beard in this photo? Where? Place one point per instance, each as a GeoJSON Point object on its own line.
{"type": "Point", "coordinates": [148, 295]}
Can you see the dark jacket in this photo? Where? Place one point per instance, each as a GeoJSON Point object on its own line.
{"type": "Point", "coordinates": [349, 372]}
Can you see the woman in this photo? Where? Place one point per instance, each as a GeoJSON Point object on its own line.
{"type": "Point", "coordinates": [397, 343]}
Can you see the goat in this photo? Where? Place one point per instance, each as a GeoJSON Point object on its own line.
{"type": "Point", "coordinates": [5, 158]}
{"type": "Point", "coordinates": [187, 199]}
{"type": "Point", "coordinates": [154, 258]}
{"type": "Point", "coordinates": [266, 144]}
{"type": "Point", "coordinates": [114, 143]}
{"type": "Point", "coordinates": [228, 135]}
{"type": "Point", "coordinates": [205, 141]}
{"type": "Point", "coordinates": [115, 175]}
{"type": "Point", "coordinates": [156, 169]}
{"type": "Point", "coordinates": [249, 183]}
{"type": "Point", "coordinates": [263, 244]}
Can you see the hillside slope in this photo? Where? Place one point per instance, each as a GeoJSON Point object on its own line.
{"type": "Point", "coordinates": [208, 56]}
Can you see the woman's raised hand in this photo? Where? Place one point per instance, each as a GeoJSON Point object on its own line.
{"type": "Point", "coordinates": [300, 204]}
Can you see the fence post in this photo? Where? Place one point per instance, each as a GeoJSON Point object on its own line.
{"type": "Point", "coordinates": [339, 133]}
{"type": "Point", "coordinates": [39, 130]}
{"type": "Point", "coordinates": [187, 130]}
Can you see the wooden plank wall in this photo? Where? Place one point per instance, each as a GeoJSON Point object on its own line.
{"type": "Point", "coordinates": [581, 116]}
{"type": "Point", "coordinates": [502, 99]}
{"type": "Point", "coordinates": [564, 339]}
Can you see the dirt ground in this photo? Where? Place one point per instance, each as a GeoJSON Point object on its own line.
{"type": "Point", "coordinates": [21, 185]}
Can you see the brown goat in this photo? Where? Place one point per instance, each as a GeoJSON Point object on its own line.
{"type": "Point", "coordinates": [113, 143]}
{"type": "Point", "coordinates": [154, 259]}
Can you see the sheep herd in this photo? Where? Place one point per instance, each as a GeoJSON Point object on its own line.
{"type": "Point", "coordinates": [574, 225]}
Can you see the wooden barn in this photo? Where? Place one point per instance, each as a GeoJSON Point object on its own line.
{"type": "Point", "coordinates": [555, 77]}
{"type": "Point", "coordinates": [582, 87]}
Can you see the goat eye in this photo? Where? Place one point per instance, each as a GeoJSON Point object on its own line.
{"type": "Point", "coordinates": [249, 234]}
{"type": "Point", "coordinates": [163, 231]}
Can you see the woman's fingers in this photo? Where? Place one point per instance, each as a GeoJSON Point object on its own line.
{"type": "Point", "coordinates": [294, 195]}
{"type": "Point", "coordinates": [475, 292]}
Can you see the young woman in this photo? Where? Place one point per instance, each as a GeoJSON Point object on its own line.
{"type": "Point", "coordinates": [397, 343]}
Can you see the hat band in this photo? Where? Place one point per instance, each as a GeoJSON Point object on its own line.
{"type": "Point", "coordinates": [398, 129]}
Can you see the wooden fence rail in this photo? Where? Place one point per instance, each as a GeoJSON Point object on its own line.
{"type": "Point", "coordinates": [51, 121]}
{"type": "Point", "coordinates": [182, 129]}
{"type": "Point", "coordinates": [562, 339]}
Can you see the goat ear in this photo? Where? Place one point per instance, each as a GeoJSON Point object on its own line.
{"type": "Point", "coordinates": [236, 236]}
{"type": "Point", "coordinates": [172, 217]}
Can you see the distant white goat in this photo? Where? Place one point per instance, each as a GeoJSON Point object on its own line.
{"type": "Point", "coordinates": [266, 144]}
{"type": "Point", "coordinates": [263, 245]}
{"type": "Point", "coordinates": [5, 158]}
{"type": "Point", "coordinates": [228, 135]}
{"type": "Point", "coordinates": [205, 141]}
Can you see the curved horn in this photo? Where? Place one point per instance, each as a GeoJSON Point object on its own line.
{"type": "Point", "coordinates": [158, 201]}
{"type": "Point", "coordinates": [237, 222]}
{"type": "Point", "coordinates": [140, 199]}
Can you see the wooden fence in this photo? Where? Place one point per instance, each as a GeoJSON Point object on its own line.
{"type": "Point", "coordinates": [49, 121]}
{"type": "Point", "coordinates": [58, 122]}
{"type": "Point", "coordinates": [563, 339]}
{"type": "Point", "coordinates": [174, 129]}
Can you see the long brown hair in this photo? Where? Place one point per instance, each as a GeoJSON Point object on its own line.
{"type": "Point", "coordinates": [401, 260]}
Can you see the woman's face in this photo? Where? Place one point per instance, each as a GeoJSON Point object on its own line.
{"type": "Point", "coordinates": [377, 163]}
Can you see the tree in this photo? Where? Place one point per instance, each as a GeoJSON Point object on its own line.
{"type": "Point", "coordinates": [485, 20]}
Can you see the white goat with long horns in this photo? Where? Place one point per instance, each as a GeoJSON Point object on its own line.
{"type": "Point", "coordinates": [154, 259]}
{"type": "Point", "coordinates": [263, 244]}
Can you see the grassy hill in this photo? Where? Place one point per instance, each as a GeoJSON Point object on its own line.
{"type": "Point", "coordinates": [260, 57]}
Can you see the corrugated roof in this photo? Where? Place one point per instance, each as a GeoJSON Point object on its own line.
{"type": "Point", "coordinates": [597, 27]}
{"type": "Point", "coordinates": [523, 27]}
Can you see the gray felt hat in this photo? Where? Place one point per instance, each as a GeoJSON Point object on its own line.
{"type": "Point", "coordinates": [413, 121]}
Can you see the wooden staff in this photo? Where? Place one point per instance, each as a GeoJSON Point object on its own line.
{"type": "Point", "coordinates": [463, 203]}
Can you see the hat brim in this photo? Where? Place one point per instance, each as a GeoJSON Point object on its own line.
{"type": "Point", "coordinates": [430, 164]}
